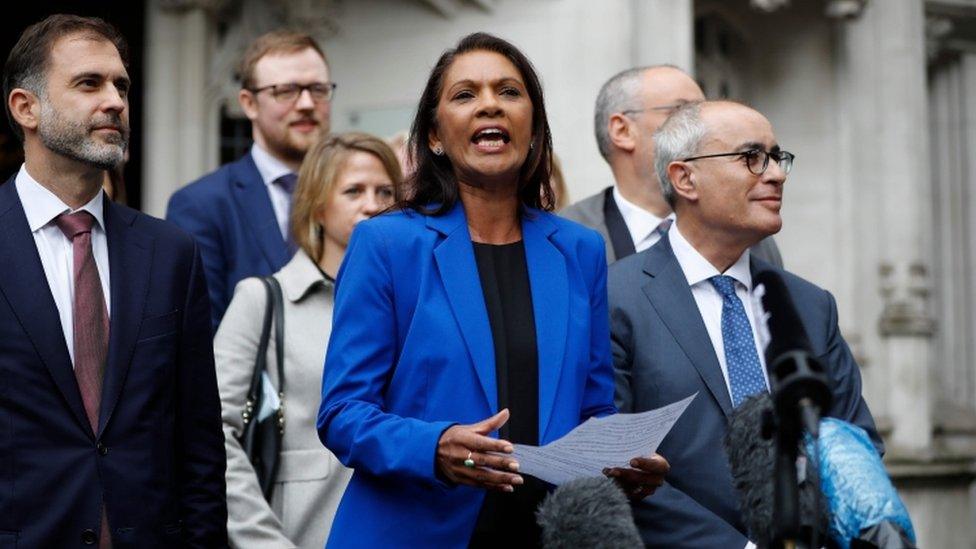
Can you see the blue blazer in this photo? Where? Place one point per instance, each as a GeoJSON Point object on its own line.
{"type": "Point", "coordinates": [411, 354]}
{"type": "Point", "coordinates": [158, 453]}
{"type": "Point", "coordinates": [230, 215]}
{"type": "Point", "coordinates": [662, 353]}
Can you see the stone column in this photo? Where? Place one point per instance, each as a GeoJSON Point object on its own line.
{"type": "Point", "coordinates": [181, 137]}
{"type": "Point", "coordinates": [883, 52]}
{"type": "Point", "coordinates": [663, 32]}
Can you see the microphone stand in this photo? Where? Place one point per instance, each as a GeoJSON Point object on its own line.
{"type": "Point", "coordinates": [800, 391]}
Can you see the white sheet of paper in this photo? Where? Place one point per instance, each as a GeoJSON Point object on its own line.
{"type": "Point", "coordinates": [610, 441]}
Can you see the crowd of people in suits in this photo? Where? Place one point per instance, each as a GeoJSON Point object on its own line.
{"type": "Point", "coordinates": [432, 310]}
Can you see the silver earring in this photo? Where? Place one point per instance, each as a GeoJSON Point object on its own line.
{"type": "Point", "coordinates": [531, 145]}
{"type": "Point", "coordinates": [438, 150]}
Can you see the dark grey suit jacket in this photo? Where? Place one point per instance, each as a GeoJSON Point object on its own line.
{"type": "Point", "coordinates": [598, 212]}
{"type": "Point", "coordinates": [662, 354]}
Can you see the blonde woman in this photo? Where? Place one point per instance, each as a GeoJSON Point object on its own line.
{"type": "Point", "coordinates": [344, 179]}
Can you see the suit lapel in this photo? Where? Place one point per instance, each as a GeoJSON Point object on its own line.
{"type": "Point", "coordinates": [620, 239]}
{"type": "Point", "coordinates": [26, 290]}
{"type": "Point", "coordinates": [459, 274]}
{"type": "Point", "coordinates": [251, 196]}
{"type": "Point", "coordinates": [130, 265]}
{"type": "Point", "coordinates": [550, 306]}
{"type": "Point", "coordinates": [671, 297]}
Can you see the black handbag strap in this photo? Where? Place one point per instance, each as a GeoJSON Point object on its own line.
{"type": "Point", "coordinates": [277, 303]}
{"type": "Point", "coordinates": [260, 360]}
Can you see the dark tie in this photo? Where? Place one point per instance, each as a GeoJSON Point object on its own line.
{"type": "Point", "coordinates": [90, 317]}
{"type": "Point", "coordinates": [288, 182]}
{"type": "Point", "coordinates": [741, 359]}
{"type": "Point", "coordinates": [90, 320]}
{"type": "Point", "coordinates": [663, 226]}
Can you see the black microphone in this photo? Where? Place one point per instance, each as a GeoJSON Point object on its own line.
{"type": "Point", "coordinates": [588, 512]}
{"type": "Point", "coordinates": [799, 382]}
{"type": "Point", "coordinates": [751, 450]}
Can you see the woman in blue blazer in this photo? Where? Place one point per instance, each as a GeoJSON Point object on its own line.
{"type": "Point", "coordinates": [468, 313]}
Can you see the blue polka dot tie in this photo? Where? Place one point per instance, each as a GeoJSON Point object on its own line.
{"type": "Point", "coordinates": [745, 371]}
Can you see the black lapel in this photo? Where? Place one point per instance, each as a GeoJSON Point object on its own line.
{"type": "Point", "coordinates": [26, 290]}
{"type": "Point", "coordinates": [620, 240]}
{"type": "Point", "coordinates": [130, 269]}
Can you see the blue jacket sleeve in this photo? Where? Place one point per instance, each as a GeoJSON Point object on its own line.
{"type": "Point", "coordinates": [186, 213]}
{"type": "Point", "coordinates": [353, 421]}
{"type": "Point", "coordinates": [598, 396]}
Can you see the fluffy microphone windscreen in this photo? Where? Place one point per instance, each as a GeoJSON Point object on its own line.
{"type": "Point", "coordinates": [752, 460]}
{"type": "Point", "coordinates": [589, 512]}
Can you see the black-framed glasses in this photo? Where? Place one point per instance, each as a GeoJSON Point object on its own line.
{"type": "Point", "coordinates": [666, 109]}
{"type": "Point", "coordinates": [286, 93]}
{"type": "Point", "coordinates": [757, 160]}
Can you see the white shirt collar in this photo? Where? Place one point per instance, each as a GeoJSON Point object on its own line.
{"type": "Point", "coordinates": [697, 269]}
{"type": "Point", "coordinates": [640, 222]}
{"type": "Point", "coordinates": [41, 206]}
{"type": "Point", "coordinates": [268, 166]}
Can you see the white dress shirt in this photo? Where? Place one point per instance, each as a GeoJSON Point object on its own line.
{"type": "Point", "coordinates": [41, 206]}
{"type": "Point", "coordinates": [641, 223]}
{"type": "Point", "coordinates": [271, 169]}
{"type": "Point", "coordinates": [698, 270]}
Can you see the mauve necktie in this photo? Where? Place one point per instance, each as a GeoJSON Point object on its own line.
{"type": "Point", "coordinates": [90, 319]}
{"type": "Point", "coordinates": [741, 358]}
{"type": "Point", "coordinates": [288, 182]}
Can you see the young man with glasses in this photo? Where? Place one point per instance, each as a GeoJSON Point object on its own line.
{"type": "Point", "coordinates": [239, 213]}
{"type": "Point", "coordinates": [683, 319]}
{"type": "Point", "coordinates": [632, 215]}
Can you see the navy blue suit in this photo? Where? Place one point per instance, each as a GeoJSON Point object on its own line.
{"type": "Point", "coordinates": [158, 455]}
{"type": "Point", "coordinates": [662, 353]}
{"type": "Point", "coordinates": [230, 215]}
{"type": "Point", "coordinates": [411, 354]}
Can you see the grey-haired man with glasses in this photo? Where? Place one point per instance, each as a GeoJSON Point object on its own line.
{"type": "Point", "coordinates": [239, 213]}
{"type": "Point", "coordinates": [684, 318]}
{"type": "Point", "coordinates": [632, 215]}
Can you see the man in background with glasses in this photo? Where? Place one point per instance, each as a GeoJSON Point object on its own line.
{"type": "Point", "coordinates": [632, 215]}
{"type": "Point", "coordinates": [684, 316]}
{"type": "Point", "coordinates": [239, 213]}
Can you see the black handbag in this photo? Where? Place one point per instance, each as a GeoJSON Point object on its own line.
{"type": "Point", "coordinates": [261, 439]}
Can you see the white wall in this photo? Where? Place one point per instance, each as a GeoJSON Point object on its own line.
{"type": "Point", "coordinates": [384, 50]}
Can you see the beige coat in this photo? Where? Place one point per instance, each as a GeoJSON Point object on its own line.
{"type": "Point", "coordinates": [310, 479]}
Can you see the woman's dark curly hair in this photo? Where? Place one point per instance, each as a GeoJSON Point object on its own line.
{"type": "Point", "coordinates": [434, 188]}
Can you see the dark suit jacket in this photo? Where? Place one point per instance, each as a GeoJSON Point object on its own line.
{"type": "Point", "coordinates": [230, 215]}
{"type": "Point", "coordinates": [600, 213]}
{"type": "Point", "coordinates": [158, 455]}
{"type": "Point", "coordinates": [662, 353]}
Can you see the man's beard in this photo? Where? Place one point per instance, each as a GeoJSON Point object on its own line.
{"type": "Point", "coordinates": [293, 147]}
{"type": "Point", "coordinates": [74, 140]}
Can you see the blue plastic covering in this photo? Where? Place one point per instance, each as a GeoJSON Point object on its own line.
{"type": "Point", "coordinates": [855, 484]}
